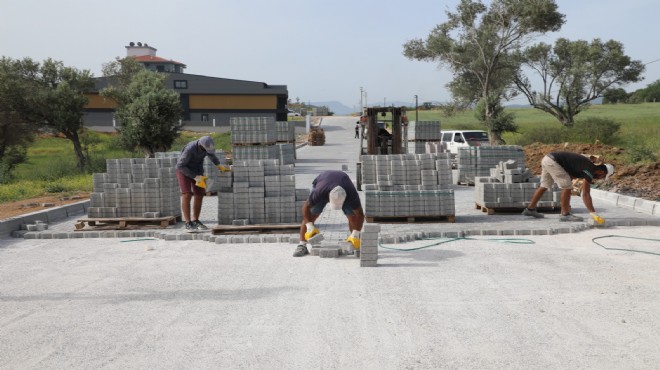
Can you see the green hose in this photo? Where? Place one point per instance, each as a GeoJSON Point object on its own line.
{"type": "Point", "coordinates": [496, 240]}
{"type": "Point", "coordinates": [622, 249]}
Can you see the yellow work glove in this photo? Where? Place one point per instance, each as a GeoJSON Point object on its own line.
{"type": "Point", "coordinates": [599, 220]}
{"type": "Point", "coordinates": [355, 241]}
{"type": "Point", "coordinates": [200, 181]}
{"type": "Point", "coordinates": [223, 168]}
{"type": "Point", "coordinates": [310, 234]}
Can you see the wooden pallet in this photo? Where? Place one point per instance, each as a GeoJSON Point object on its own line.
{"type": "Point", "coordinates": [494, 210]}
{"type": "Point", "coordinates": [256, 229]}
{"type": "Point", "coordinates": [411, 219]}
{"type": "Point", "coordinates": [124, 223]}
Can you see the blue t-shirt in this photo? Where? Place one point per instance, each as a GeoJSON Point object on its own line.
{"type": "Point", "coordinates": [191, 160]}
{"type": "Point", "coordinates": [328, 180]}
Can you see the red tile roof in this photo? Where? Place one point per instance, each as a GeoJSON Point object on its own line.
{"type": "Point", "coordinates": [155, 59]}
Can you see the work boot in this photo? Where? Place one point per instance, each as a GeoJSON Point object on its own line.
{"type": "Point", "coordinates": [532, 212]}
{"type": "Point", "coordinates": [570, 218]}
{"type": "Point", "coordinates": [190, 227]}
{"type": "Point", "coordinates": [300, 251]}
{"type": "Point", "coordinates": [199, 226]}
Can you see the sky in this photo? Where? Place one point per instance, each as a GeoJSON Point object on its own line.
{"type": "Point", "coordinates": [322, 50]}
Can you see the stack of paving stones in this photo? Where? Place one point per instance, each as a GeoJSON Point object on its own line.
{"type": "Point", "coordinates": [254, 138]}
{"type": "Point", "coordinates": [210, 170]}
{"type": "Point", "coordinates": [477, 161]}
{"type": "Point", "coordinates": [136, 187]}
{"type": "Point", "coordinates": [511, 185]}
{"type": "Point", "coordinates": [407, 185]}
{"type": "Point", "coordinates": [369, 245]}
{"type": "Point", "coordinates": [259, 192]}
{"type": "Point", "coordinates": [286, 141]}
{"type": "Point", "coordinates": [424, 137]}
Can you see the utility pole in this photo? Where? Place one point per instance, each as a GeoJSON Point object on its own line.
{"type": "Point", "coordinates": [415, 108]}
{"type": "Point", "coordinates": [361, 106]}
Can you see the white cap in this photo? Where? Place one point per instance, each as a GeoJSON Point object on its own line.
{"type": "Point", "coordinates": [337, 198]}
{"type": "Point", "coordinates": [610, 170]}
{"type": "Point", "coordinates": [207, 143]}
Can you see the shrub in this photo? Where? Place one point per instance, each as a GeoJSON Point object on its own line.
{"type": "Point", "coordinates": [545, 135]}
{"type": "Point", "coordinates": [641, 153]}
{"type": "Point", "coordinates": [591, 129]}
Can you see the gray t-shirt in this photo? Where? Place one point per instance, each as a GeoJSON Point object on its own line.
{"type": "Point", "coordinates": [191, 160]}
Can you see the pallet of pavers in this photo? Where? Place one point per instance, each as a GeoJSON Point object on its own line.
{"type": "Point", "coordinates": [256, 228]}
{"type": "Point", "coordinates": [124, 223]}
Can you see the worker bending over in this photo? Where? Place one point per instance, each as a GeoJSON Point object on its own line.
{"type": "Point", "coordinates": [562, 168]}
{"type": "Point", "coordinates": [190, 174]}
{"type": "Point", "coordinates": [337, 189]}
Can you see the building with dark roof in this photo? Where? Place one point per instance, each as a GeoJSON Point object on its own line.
{"type": "Point", "coordinates": [206, 101]}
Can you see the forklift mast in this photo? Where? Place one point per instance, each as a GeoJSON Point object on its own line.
{"type": "Point", "coordinates": [382, 144]}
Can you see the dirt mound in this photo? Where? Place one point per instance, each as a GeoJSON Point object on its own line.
{"type": "Point", "coordinates": [639, 180]}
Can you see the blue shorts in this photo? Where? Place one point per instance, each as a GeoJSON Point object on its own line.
{"type": "Point", "coordinates": [318, 208]}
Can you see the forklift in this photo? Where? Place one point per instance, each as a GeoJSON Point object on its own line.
{"type": "Point", "coordinates": [376, 139]}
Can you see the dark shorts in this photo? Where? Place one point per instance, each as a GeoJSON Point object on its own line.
{"type": "Point", "coordinates": [187, 185]}
{"type": "Point", "coordinates": [318, 208]}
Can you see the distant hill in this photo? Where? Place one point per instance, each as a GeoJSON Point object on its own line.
{"type": "Point", "coordinates": [341, 110]}
{"type": "Point", "coordinates": [336, 107]}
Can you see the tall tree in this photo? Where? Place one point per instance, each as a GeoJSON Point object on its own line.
{"type": "Point", "coordinates": [574, 73]}
{"type": "Point", "coordinates": [16, 133]}
{"type": "Point", "coordinates": [148, 113]}
{"type": "Point", "coordinates": [62, 101]}
{"type": "Point", "coordinates": [479, 44]}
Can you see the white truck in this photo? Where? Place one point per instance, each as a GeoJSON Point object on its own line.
{"type": "Point", "coordinates": [464, 138]}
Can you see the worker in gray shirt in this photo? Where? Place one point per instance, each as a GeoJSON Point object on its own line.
{"type": "Point", "coordinates": [190, 174]}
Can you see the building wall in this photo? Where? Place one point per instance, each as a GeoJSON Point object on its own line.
{"type": "Point", "coordinates": [232, 102]}
{"type": "Point", "coordinates": [96, 101]}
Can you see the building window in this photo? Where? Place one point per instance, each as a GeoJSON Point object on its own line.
{"type": "Point", "coordinates": [180, 84]}
{"type": "Point", "coordinates": [205, 117]}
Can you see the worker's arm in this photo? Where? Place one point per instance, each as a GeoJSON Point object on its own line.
{"type": "Point", "coordinates": [182, 164]}
{"type": "Point", "coordinates": [586, 196]}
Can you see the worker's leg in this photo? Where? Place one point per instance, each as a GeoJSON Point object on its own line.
{"type": "Point", "coordinates": [186, 184]}
{"type": "Point", "coordinates": [197, 206]}
{"type": "Point", "coordinates": [536, 197]}
{"type": "Point", "coordinates": [185, 206]}
{"type": "Point", "coordinates": [565, 201]}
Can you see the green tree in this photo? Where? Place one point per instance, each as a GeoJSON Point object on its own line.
{"type": "Point", "coordinates": [16, 133]}
{"type": "Point", "coordinates": [574, 73]}
{"type": "Point", "coordinates": [479, 45]}
{"type": "Point", "coordinates": [62, 102]}
{"type": "Point", "coordinates": [615, 95]}
{"type": "Point", "coordinates": [148, 113]}
{"type": "Point", "coordinates": [651, 93]}
{"type": "Point", "coordinates": [119, 74]}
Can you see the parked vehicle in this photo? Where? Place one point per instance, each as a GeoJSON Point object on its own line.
{"type": "Point", "coordinates": [464, 138]}
{"type": "Point", "coordinates": [292, 113]}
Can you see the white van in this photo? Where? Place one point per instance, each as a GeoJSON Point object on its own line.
{"type": "Point", "coordinates": [464, 138]}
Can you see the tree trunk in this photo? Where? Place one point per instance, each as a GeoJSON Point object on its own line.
{"type": "Point", "coordinates": [77, 148]}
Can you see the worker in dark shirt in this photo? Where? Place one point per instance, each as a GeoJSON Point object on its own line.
{"type": "Point", "coordinates": [337, 189]}
{"type": "Point", "coordinates": [190, 174]}
{"type": "Point", "coordinates": [561, 168]}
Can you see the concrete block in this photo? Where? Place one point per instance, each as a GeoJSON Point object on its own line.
{"type": "Point", "coordinates": [368, 263]}
{"type": "Point", "coordinates": [370, 228]}
{"type": "Point", "coordinates": [368, 256]}
{"type": "Point", "coordinates": [220, 240]}
{"type": "Point", "coordinates": [626, 202]}
{"type": "Point", "coordinates": [368, 249]}
{"type": "Point", "coordinates": [329, 252]}
{"type": "Point", "coordinates": [316, 239]}
{"type": "Point", "coordinates": [644, 206]}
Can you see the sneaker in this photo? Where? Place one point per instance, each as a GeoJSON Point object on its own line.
{"type": "Point", "coordinates": [300, 251]}
{"type": "Point", "coordinates": [199, 226]}
{"type": "Point", "coordinates": [190, 227]}
{"type": "Point", "coordinates": [532, 212]}
{"type": "Point", "coordinates": [570, 218]}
